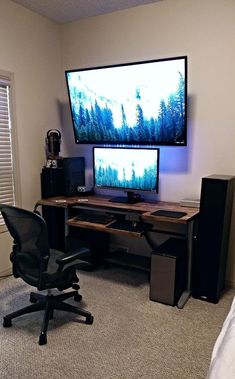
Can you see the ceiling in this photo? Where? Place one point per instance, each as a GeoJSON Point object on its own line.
{"type": "Point", "coordinates": [63, 11]}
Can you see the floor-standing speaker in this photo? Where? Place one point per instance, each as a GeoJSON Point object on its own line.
{"type": "Point", "coordinates": [211, 248]}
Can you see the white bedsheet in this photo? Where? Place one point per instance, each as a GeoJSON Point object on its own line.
{"type": "Point", "coordinates": [223, 356]}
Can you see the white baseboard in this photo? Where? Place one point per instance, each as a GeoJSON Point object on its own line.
{"type": "Point", "coordinates": [6, 271]}
{"type": "Point", "coordinates": [230, 284]}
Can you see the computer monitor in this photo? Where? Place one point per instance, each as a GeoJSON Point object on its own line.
{"type": "Point", "coordinates": [126, 168]}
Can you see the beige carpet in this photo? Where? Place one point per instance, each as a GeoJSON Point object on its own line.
{"type": "Point", "coordinates": [131, 337]}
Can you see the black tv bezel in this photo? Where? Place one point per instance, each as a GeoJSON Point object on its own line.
{"type": "Point", "coordinates": [156, 143]}
{"type": "Point", "coordinates": [156, 191]}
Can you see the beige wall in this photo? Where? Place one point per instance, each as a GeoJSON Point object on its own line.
{"type": "Point", "coordinates": [30, 49]}
{"type": "Point", "coordinates": [204, 30]}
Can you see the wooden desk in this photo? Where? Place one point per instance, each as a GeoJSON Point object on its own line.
{"type": "Point", "coordinates": [142, 210]}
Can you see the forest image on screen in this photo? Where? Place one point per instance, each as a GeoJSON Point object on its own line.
{"type": "Point", "coordinates": [126, 168]}
{"type": "Point", "coordinates": [133, 103]}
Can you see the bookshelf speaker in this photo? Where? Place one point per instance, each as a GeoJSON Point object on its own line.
{"type": "Point", "coordinates": [52, 182]}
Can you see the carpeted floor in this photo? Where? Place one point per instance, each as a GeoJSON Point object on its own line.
{"type": "Point", "coordinates": [131, 337]}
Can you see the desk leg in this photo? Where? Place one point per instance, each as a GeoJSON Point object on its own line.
{"type": "Point", "coordinates": [187, 293]}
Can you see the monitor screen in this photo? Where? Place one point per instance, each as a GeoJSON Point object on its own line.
{"type": "Point", "coordinates": [133, 103]}
{"type": "Point", "coordinates": [129, 169]}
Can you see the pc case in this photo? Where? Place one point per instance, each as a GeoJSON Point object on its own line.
{"type": "Point", "coordinates": [168, 271]}
{"type": "Point", "coordinates": [74, 175]}
{"type": "Point", "coordinates": [64, 180]}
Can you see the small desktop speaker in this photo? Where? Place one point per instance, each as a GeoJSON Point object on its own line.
{"type": "Point", "coordinates": [211, 248]}
{"type": "Point", "coordinates": [168, 272]}
{"type": "Point", "coordinates": [63, 181]}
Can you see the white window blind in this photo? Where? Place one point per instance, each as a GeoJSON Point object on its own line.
{"type": "Point", "coordinates": [7, 195]}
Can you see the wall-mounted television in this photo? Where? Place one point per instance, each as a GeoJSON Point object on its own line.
{"type": "Point", "coordinates": [128, 169]}
{"type": "Point", "coordinates": [133, 103]}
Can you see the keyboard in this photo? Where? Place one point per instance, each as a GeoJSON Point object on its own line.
{"type": "Point", "coordinates": [130, 226]}
{"type": "Point", "coordinates": [95, 217]}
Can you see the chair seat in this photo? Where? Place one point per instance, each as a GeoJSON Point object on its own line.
{"type": "Point", "coordinates": [61, 279]}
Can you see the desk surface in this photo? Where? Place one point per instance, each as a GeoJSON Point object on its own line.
{"type": "Point", "coordinates": [144, 208]}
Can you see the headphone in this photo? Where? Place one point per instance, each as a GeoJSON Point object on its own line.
{"type": "Point", "coordinates": [53, 141]}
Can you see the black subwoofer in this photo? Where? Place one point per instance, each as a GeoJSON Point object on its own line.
{"type": "Point", "coordinates": [211, 248]}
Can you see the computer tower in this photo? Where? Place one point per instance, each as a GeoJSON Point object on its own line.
{"type": "Point", "coordinates": [211, 248]}
{"type": "Point", "coordinates": [168, 272]}
{"type": "Point", "coordinates": [52, 182]}
{"type": "Point", "coordinates": [74, 175]}
{"type": "Point", "coordinates": [65, 180]}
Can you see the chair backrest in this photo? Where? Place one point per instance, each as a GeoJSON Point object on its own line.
{"type": "Point", "coordinates": [31, 251]}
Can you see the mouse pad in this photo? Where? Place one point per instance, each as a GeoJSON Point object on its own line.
{"type": "Point", "coordinates": [175, 214]}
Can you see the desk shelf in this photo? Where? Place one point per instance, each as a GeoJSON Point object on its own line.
{"type": "Point", "coordinates": [100, 227]}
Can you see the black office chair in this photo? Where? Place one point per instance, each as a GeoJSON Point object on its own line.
{"type": "Point", "coordinates": [42, 267]}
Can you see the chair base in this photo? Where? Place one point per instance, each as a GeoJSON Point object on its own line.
{"type": "Point", "coordinates": [49, 303]}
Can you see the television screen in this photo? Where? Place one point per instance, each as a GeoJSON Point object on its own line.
{"type": "Point", "coordinates": [135, 103]}
{"type": "Point", "coordinates": [129, 169]}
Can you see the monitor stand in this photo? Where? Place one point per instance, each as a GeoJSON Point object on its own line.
{"type": "Point", "coordinates": [131, 198]}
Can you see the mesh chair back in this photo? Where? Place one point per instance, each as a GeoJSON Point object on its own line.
{"type": "Point", "coordinates": [30, 253]}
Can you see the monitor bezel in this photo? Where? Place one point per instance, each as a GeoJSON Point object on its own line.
{"type": "Point", "coordinates": [155, 191]}
{"type": "Point", "coordinates": [154, 143]}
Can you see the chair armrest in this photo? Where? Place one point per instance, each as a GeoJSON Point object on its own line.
{"type": "Point", "coordinates": [71, 257]}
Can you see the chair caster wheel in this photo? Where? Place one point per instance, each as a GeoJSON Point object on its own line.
{"type": "Point", "coordinates": [76, 286]}
{"type": "Point", "coordinates": [42, 339]}
{"type": "Point", "coordinates": [89, 320]}
{"type": "Point", "coordinates": [77, 297]}
{"type": "Point", "coordinates": [7, 323]}
{"type": "Point", "coordinates": [32, 299]}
